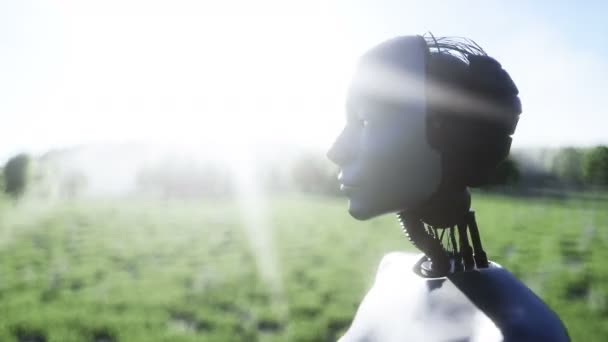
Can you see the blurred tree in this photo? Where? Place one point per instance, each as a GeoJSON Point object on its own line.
{"type": "Point", "coordinates": [568, 165]}
{"type": "Point", "coordinates": [73, 183]}
{"type": "Point", "coordinates": [173, 178]}
{"type": "Point", "coordinates": [596, 166]}
{"type": "Point", "coordinates": [507, 173]}
{"type": "Point", "coordinates": [16, 174]}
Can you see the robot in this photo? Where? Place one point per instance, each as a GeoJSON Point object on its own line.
{"type": "Point", "coordinates": [427, 118]}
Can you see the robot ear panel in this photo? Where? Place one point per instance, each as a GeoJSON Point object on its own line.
{"type": "Point", "coordinates": [488, 74]}
{"type": "Point", "coordinates": [488, 80]}
{"type": "Point", "coordinates": [474, 132]}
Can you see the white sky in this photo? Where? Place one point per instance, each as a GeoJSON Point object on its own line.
{"type": "Point", "coordinates": [233, 72]}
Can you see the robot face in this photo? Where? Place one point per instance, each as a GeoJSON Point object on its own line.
{"type": "Point", "coordinates": [386, 162]}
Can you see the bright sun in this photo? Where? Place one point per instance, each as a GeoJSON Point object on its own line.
{"type": "Point", "coordinates": [191, 73]}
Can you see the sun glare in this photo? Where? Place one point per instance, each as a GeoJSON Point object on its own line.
{"type": "Point", "coordinates": [187, 73]}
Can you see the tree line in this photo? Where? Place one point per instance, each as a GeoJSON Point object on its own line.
{"type": "Point", "coordinates": [565, 168]}
{"type": "Point", "coordinates": [583, 167]}
{"type": "Point", "coordinates": [306, 171]}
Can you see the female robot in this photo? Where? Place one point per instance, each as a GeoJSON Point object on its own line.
{"type": "Point", "coordinates": [427, 118]}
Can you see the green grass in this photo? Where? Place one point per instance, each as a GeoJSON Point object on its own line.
{"type": "Point", "coordinates": [185, 271]}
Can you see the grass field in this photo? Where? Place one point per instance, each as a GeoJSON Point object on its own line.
{"type": "Point", "coordinates": [185, 271]}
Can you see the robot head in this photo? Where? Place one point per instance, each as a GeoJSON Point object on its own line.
{"type": "Point", "coordinates": [426, 117]}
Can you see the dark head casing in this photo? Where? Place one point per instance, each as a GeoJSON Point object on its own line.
{"type": "Point", "coordinates": [471, 104]}
{"type": "Point", "coordinates": [473, 109]}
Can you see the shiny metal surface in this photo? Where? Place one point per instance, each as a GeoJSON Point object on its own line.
{"type": "Point", "coordinates": [481, 305]}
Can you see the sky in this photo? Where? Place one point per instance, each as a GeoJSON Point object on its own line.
{"type": "Point", "coordinates": [233, 73]}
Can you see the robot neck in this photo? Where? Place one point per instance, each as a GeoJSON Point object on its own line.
{"type": "Point", "coordinates": [425, 226]}
{"type": "Point", "coordinates": [447, 207]}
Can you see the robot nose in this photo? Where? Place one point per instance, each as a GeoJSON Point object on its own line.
{"type": "Point", "coordinates": [342, 151]}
